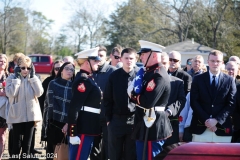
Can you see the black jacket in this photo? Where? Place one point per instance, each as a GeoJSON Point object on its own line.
{"type": "Point", "coordinates": [116, 99]}
{"type": "Point", "coordinates": [176, 103]}
{"type": "Point", "coordinates": [45, 84]}
{"type": "Point", "coordinates": [236, 113]}
{"type": "Point", "coordinates": [187, 79]}
{"type": "Point", "coordinates": [219, 106]}
{"type": "Point", "coordinates": [101, 78]}
{"type": "Point", "coordinates": [155, 92]}
{"type": "Point", "coordinates": [85, 93]}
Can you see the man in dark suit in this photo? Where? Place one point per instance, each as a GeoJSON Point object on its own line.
{"type": "Point", "coordinates": [212, 100]}
{"type": "Point", "coordinates": [176, 101]}
{"type": "Point", "coordinates": [232, 70]}
{"type": "Point", "coordinates": [175, 70]}
{"type": "Point", "coordinates": [237, 60]}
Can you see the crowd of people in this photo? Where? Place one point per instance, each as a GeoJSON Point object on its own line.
{"type": "Point", "coordinates": [116, 110]}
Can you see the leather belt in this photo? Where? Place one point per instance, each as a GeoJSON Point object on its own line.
{"type": "Point", "coordinates": [90, 109]}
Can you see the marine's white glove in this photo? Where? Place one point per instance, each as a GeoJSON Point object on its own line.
{"type": "Point", "coordinates": [132, 107]}
{"type": "Point", "coordinates": [9, 126]}
{"type": "Point", "coordinates": [130, 87]}
{"type": "Point", "coordinates": [75, 140]}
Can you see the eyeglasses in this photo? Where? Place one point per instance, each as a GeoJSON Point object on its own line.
{"type": "Point", "coordinates": [69, 69]}
{"type": "Point", "coordinates": [116, 57]}
{"type": "Point", "coordinates": [56, 68]}
{"type": "Point", "coordinates": [218, 62]}
{"type": "Point", "coordinates": [24, 68]}
{"type": "Point", "coordinates": [230, 69]}
{"type": "Point", "coordinates": [173, 60]}
{"type": "Point", "coordinates": [189, 63]}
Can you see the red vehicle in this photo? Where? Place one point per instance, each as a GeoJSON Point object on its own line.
{"type": "Point", "coordinates": [205, 151]}
{"type": "Point", "coordinates": [42, 63]}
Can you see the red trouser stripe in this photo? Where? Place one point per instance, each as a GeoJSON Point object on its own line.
{"type": "Point", "coordinates": [80, 147]}
{"type": "Point", "coordinates": [149, 150]}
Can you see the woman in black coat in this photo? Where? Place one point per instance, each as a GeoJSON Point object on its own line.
{"type": "Point", "coordinates": [55, 69]}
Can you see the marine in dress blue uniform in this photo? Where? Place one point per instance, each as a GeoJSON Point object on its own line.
{"type": "Point", "coordinates": [151, 123]}
{"type": "Point", "coordinates": [84, 111]}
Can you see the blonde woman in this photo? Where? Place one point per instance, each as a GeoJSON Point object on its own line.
{"type": "Point", "coordinates": [22, 88]}
{"type": "Point", "coordinates": [3, 100]}
{"type": "Point", "coordinates": [13, 63]}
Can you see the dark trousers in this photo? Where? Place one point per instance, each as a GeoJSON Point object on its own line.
{"type": "Point", "coordinates": [236, 137]}
{"type": "Point", "coordinates": [49, 149]}
{"type": "Point", "coordinates": [120, 144]}
{"type": "Point", "coordinates": [100, 145]}
{"type": "Point", "coordinates": [153, 148]}
{"type": "Point", "coordinates": [24, 129]}
{"type": "Point", "coordinates": [82, 151]}
{"type": "Point", "coordinates": [33, 140]}
{"type": "Point", "coordinates": [187, 135]}
{"type": "Point", "coordinates": [175, 135]}
{"type": "Point", "coordinates": [10, 142]}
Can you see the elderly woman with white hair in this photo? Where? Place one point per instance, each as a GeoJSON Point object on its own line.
{"type": "Point", "coordinates": [22, 88]}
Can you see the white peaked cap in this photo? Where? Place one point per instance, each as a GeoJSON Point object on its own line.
{"type": "Point", "coordinates": [145, 45]}
{"type": "Point", "coordinates": [88, 53]}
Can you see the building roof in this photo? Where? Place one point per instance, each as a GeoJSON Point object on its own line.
{"type": "Point", "coordinates": [188, 46]}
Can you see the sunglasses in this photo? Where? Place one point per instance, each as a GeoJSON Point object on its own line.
{"type": "Point", "coordinates": [173, 60]}
{"type": "Point", "coordinates": [23, 68]}
{"type": "Point", "coordinates": [56, 68]}
{"type": "Point", "coordinates": [189, 63]}
{"type": "Point", "coordinates": [116, 57]}
{"type": "Point", "coordinates": [69, 69]}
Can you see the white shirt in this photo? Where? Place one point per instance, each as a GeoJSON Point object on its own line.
{"type": "Point", "coordinates": [186, 114]}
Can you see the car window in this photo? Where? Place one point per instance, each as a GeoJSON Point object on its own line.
{"type": "Point", "coordinates": [44, 59]}
{"type": "Point", "coordinates": [34, 58]}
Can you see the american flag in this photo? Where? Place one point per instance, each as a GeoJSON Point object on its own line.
{"type": "Point", "coordinates": [138, 81]}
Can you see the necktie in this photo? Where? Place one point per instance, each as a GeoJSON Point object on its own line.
{"type": "Point", "coordinates": [213, 85]}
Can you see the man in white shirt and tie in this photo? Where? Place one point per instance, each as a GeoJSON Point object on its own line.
{"type": "Point", "coordinates": [212, 99]}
